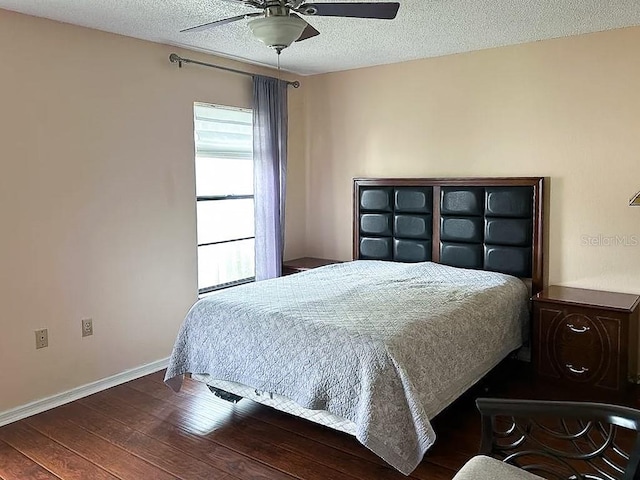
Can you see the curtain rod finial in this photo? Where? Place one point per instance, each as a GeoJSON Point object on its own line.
{"type": "Point", "coordinates": [174, 58]}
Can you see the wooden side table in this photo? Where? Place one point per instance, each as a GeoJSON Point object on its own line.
{"type": "Point", "coordinates": [586, 337]}
{"type": "Point", "coordinates": [305, 263]}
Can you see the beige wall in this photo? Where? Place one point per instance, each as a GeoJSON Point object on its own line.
{"type": "Point", "coordinates": [568, 109]}
{"type": "Point", "coordinates": [97, 199]}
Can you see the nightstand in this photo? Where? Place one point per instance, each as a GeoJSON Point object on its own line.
{"type": "Point", "coordinates": [586, 337]}
{"type": "Point", "coordinates": [305, 263]}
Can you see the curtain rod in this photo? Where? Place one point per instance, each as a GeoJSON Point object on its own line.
{"type": "Point", "coordinates": [175, 58]}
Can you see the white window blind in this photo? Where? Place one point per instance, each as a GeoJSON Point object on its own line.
{"type": "Point", "coordinates": [224, 194]}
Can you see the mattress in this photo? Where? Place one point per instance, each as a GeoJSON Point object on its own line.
{"type": "Point", "coordinates": [381, 346]}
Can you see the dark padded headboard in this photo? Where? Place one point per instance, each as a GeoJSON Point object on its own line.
{"type": "Point", "coordinates": [483, 223]}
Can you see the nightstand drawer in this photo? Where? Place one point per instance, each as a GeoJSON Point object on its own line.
{"type": "Point", "coordinates": [578, 364]}
{"type": "Point", "coordinates": [577, 330]}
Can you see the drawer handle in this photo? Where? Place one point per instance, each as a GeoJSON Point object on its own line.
{"type": "Point", "coordinates": [578, 330]}
{"type": "Point", "coordinates": [575, 370]}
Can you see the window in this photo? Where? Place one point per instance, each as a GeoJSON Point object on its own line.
{"type": "Point", "coordinates": [224, 194]}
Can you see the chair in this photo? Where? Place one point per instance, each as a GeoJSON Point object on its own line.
{"type": "Point", "coordinates": [557, 440]}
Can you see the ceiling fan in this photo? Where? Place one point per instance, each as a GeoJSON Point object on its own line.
{"type": "Point", "coordinates": [278, 25]}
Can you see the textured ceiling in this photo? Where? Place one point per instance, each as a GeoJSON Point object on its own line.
{"type": "Point", "coordinates": [423, 28]}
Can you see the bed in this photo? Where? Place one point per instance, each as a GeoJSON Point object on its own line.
{"type": "Point", "coordinates": [436, 296]}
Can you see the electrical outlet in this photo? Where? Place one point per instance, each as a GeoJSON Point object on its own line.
{"type": "Point", "coordinates": [87, 327]}
{"type": "Point", "coordinates": [42, 338]}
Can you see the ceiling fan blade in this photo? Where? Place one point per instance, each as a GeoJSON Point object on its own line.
{"type": "Point", "coordinates": [308, 31]}
{"type": "Point", "coordinates": [387, 10]}
{"type": "Point", "coordinates": [217, 23]}
{"type": "Point", "coordinates": [250, 3]}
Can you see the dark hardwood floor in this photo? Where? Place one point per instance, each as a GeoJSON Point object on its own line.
{"type": "Point", "coordinates": [143, 430]}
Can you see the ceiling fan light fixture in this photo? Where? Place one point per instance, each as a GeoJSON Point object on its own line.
{"type": "Point", "coordinates": [277, 32]}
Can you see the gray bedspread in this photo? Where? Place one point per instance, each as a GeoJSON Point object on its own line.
{"type": "Point", "coordinates": [377, 343]}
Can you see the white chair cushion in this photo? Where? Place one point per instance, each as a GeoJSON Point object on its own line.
{"type": "Point", "coordinates": [487, 468]}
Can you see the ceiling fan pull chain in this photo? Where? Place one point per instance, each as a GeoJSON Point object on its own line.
{"type": "Point", "coordinates": [279, 75]}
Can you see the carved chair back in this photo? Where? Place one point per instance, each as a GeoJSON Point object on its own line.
{"type": "Point", "coordinates": [563, 440]}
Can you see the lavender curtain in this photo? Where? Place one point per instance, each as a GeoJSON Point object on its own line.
{"type": "Point", "coordinates": [269, 172]}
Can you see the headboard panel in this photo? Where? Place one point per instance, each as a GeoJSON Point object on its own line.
{"type": "Point", "coordinates": [395, 223]}
{"type": "Point", "coordinates": [483, 223]}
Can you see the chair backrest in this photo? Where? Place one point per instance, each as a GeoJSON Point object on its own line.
{"type": "Point", "coordinates": [563, 440]}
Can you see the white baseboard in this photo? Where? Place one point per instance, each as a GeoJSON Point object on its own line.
{"type": "Point", "coordinates": [48, 403]}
